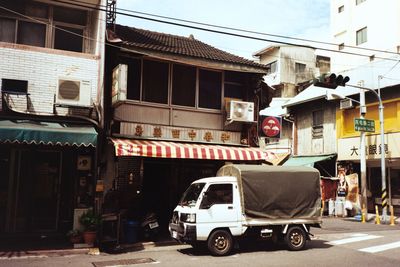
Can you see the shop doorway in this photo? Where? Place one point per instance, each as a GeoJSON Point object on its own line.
{"type": "Point", "coordinates": [33, 191]}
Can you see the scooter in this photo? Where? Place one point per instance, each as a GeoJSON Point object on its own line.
{"type": "Point", "coordinates": [150, 226]}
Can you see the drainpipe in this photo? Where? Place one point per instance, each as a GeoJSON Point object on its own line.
{"type": "Point", "coordinates": [293, 147]}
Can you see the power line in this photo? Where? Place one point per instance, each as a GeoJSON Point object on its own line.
{"type": "Point", "coordinates": [244, 30]}
{"type": "Point", "coordinates": [91, 7]}
{"type": "Point", "coordinates": [235, 34]}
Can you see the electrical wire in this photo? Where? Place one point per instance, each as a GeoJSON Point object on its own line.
{"type": "Point", "coordinates": [234, 29]}
{"type": "Point", "coordinates": [132, 50]}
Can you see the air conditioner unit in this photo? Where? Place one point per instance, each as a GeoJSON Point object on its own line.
{"type": "Point", "coordinates": [346, 103]}
{"type": "Point", "coordinates": [240, 111]}
{"type": "Point", "coordinates": [73, 92]}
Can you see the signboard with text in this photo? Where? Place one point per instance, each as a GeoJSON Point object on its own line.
{"type": "Point", "coordinates": [349, 148]}
{"type": "Point", "coordinates": [364, 125]}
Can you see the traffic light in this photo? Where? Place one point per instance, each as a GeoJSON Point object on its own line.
{"type": "Point", "coordinates": [332, 81]}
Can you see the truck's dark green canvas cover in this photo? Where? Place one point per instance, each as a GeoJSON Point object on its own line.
{"type": "Point", "coordinates": [277, 192]}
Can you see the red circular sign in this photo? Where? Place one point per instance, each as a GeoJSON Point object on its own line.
{"type": "Point", "coordinates": [271, 127]}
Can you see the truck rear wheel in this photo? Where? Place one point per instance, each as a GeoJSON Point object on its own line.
{"type": "Point", "coordinates": [220, 243]}
{"type": "Point", "coordinates": [295, 238]}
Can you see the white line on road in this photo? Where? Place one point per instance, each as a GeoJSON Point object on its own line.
{"type": "Point", "coordinates": [355, 238]}
{"type": "Point", "coordinates": [380, 248]}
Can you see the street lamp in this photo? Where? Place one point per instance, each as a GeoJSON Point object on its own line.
{"type": "Point", "coordinates": [362, 146]}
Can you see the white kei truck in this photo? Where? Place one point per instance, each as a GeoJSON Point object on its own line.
{"type": "Point", "coordinates": [253, 202]}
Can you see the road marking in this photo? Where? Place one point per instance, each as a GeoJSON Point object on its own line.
{"type": "Point", "coordinates": [380, 248]}
{"type": "Point", "coordinates": [355, 238]}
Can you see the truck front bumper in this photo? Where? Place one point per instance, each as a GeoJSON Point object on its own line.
{"type": "Point", "coordinates": [183, 232]}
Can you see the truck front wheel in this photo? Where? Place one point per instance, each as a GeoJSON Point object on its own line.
{"type": "Point", "coordinates": [220, 243]}
{"type": "Point", "coordinates": [295, 238]}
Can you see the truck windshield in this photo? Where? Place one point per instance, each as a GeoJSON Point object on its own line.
{"type": "Point", "coordinates": [191, 194]}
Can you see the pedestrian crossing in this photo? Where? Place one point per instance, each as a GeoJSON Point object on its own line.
{"type": "Point", "coordinates": [378, 243]}
{"type": "Point", "coordinates": [354, 238]}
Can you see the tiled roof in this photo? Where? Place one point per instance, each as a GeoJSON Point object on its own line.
{"type": "Point", "coordinates": [177, 45]}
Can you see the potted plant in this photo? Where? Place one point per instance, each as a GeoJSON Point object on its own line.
{"type": "Point", "coordinates": [90, 222]}
{"type": "Point", "coordinates": [75, 236]}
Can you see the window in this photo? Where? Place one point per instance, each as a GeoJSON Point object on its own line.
{"type": "Point", "coordinates": [318, 123]}
{"type": "Point", "coordinates": [155, 82]}
{"type": "Point", "coordinates": [359, 1]}
{"type": "Point", "coordinates": [271, 67]}
{"type": "Point", "coordinates": [69, 15]}
{"type": "Point", "coordinates": [184, 86]}
{"type": "Point", "coordinates": [7, 30]}
{"type": "Point", "coordinates": [323, 63]}
{"type": "Point", "coordinates": [15, 86]}
{"type": "Point", "coordinates": [340, 9]}
{"type": "Point", "coordinates": [70, 39]}
{"type": "Point", "coordinates": [234, 84]}
{"type": "Point", "coordinates": [134, 78]}
{"type": "Point", "coordinates": [299, 68]}
{"type": "Point", "coordinates": [361, 36]}
{"type": "Point", "coordinates": [217, 194]}
{"type": "Point", "coordinates": [210, 88]}
{"type": "Point", "coordinates": [31, 34]}
{"type": "Point", "coordinates": [70, 25]}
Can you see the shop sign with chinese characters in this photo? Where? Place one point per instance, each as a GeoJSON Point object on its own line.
{"type": "Point", "coordinates": [349, 148]}
{"type": "Point", "coordinates": [143, 131]}
{"type": "Point", "coordinates": [364, 125]}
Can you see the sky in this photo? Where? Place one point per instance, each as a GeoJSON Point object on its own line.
{"type": "Point", "coordinates": [308, 19]}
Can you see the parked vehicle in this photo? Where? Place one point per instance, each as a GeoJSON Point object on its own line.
{"type": "Point", "coordinates": [255, 202]}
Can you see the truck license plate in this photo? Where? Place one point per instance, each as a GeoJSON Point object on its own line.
{"type": "Point", "coordinates": [153, 225]}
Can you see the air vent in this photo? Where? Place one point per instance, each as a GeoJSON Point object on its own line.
{"type": "Point", "coordinates": [240, 111]}
{"type": "Point", "coordinates": [73, 92]}
{"type": "Point", "coordinates": [346, 103]}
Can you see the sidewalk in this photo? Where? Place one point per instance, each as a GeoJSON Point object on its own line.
{"type": "Point", "coordinates": [351, 224]}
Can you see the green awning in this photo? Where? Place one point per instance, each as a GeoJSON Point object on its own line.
{"type": "Point", "coordinates": [307, 160]}
{"type": "Point", "coordinates": [47, 133]}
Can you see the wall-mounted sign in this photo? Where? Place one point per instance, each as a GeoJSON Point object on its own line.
{"type": "Point", "coordinates": [119, 83]}
{"type": "Point", "coordinates": [363, 125]}
{"type": "Point", "coordinates": [84, 163]}
{"type": "Point", "coordinates": [270, 126]}
{"type": "Point", "coordinates": [349, 148]}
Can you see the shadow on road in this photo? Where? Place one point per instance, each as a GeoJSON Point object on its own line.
{"type": "Point", "coordinates": [260, 246]}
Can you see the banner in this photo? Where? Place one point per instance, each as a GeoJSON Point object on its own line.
{"type": "Point", "coordinates": [352, 192]}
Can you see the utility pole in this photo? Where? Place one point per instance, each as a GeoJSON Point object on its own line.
{"type": "Point", "coordinates": [382, 150]}
{"type": "Point", "coordinates": [363, 164]}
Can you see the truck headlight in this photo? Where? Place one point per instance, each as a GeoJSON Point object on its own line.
{"type": "Point", "coordinates": [188, 217]}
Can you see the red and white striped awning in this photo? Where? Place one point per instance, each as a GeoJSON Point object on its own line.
{"type": "Point", "coordinates": [164, 149]}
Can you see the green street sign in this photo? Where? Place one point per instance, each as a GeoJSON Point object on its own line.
{"type": "Point", "coordinates": [363, 125]}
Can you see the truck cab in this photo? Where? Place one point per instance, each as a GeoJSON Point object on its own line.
{"type": "Point", "coordinates": [208, 204]}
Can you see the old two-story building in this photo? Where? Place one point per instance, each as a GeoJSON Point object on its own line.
{"type": "Point", "coordinates": [178, 109]}
{"type": "Point", "coordinates": [51, 74]}
{"type": "Point", "coordinates": [289, 71]}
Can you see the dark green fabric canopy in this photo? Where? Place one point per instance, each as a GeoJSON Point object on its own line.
{"type": "Point", "coordinates": [47, 133]}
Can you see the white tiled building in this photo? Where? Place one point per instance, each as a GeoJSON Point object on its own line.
{"type": "Point", "coordinates": [51, 85]}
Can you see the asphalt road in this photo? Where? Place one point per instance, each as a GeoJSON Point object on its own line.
{"type": "Point", "coordinates": [338, 243]}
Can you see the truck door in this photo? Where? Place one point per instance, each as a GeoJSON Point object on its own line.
{"type": "Point", "coordinates": [217, 209]}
